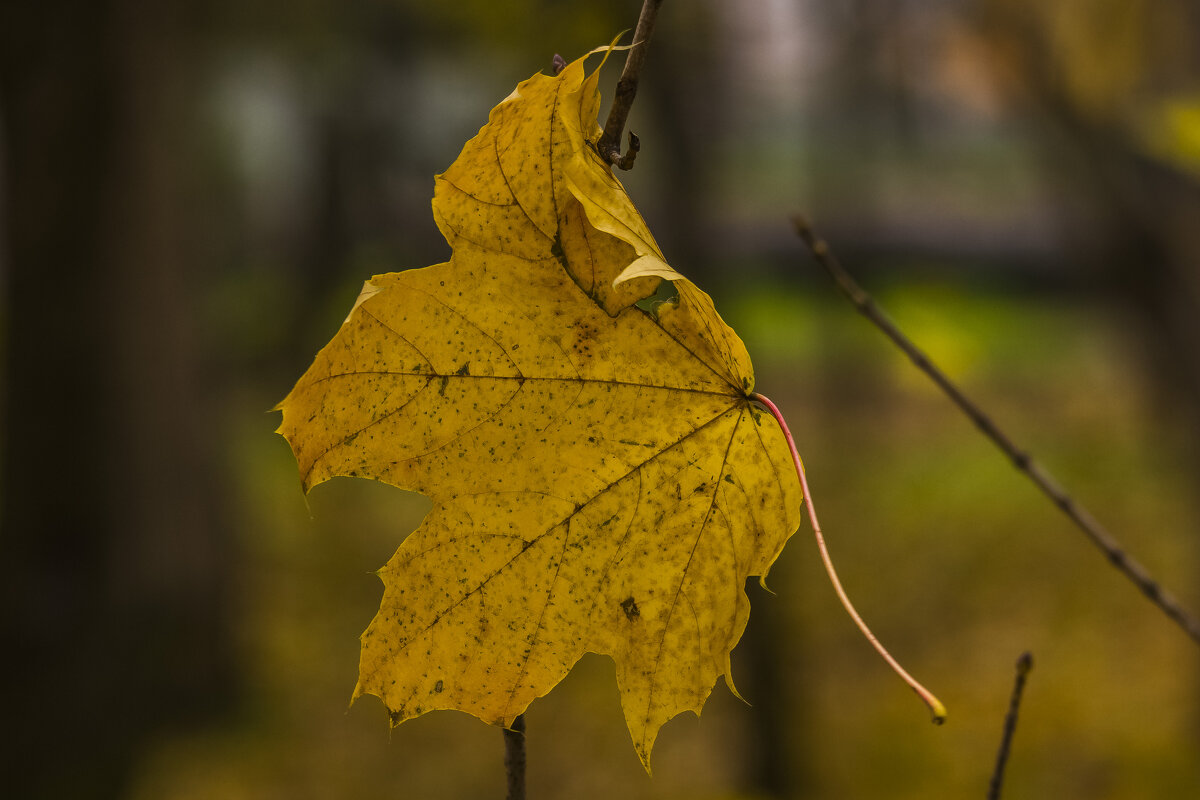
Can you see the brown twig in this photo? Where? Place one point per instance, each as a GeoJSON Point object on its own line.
{"type": "Point", "coordinates": [1024, 664]}
{"type": "Point", "coordinates": [609, 145]}
{"type": "Point", "coordinates": [1083, 519]}
{"type": "Point", "coordinates": [514, 758]}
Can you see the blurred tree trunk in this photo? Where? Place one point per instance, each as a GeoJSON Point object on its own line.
{"type": "Point", "coordinates": [1133, 220]}
{"type": "Point", "coordinates": [117, 562]}
{"type": "Point", "coordinates": [1130, 219]}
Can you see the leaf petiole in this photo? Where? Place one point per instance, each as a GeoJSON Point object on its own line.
{"type": "Point", "coordinates": [935, 706]}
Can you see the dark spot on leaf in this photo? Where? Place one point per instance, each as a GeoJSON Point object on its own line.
{"type": "Point", "coordinates": [728, 477]}
{"type": "Point", "coordinates": [437, 687]}
{"type": "Point", "coordinates": [629, 606]}
{"type": "Point", "coordinates": [465, 369]}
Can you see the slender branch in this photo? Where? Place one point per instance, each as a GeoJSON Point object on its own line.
{"type": "Point", "coordinates": [935, 706]}
{"type": "Point", "coordinates": [1082, 518]}
{"type": "Point", "coordinates": [1024, 664]}
{"type": "Point", "coordinates": [514, 758]}
{"type": "Point", "coordinates": [609, 145]}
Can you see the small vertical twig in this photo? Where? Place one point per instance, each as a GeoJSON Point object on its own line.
{"type": "Point", "coordinates": [514, 758]}
{"type": "Point", "coordinates": [1024, 664]}
{"type": "Point", "coordinates": [609, 144]}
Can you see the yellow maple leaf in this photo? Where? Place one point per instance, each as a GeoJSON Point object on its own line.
{"type": "Point", "coordinates": [601, 480]}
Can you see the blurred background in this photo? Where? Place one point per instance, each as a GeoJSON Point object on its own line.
{"type": "Point", "coordinates": [192, 192]}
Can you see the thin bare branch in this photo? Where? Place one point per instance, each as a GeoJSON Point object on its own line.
{"type": "Point", "coordinates": [1082, 518]}
{"type": "Point", "coordinates": [1024, 664]}
{"type": "Point", "coordinates": [609, 145]}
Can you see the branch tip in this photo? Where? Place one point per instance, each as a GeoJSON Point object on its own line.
{"type": "Point", "coordinates": [609, 144]}
{"type": "Point", "coordinates": [1024, 665]}
{"type": "Point", "coordinates": [1022, 460]}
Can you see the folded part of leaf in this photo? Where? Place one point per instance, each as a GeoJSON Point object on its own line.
{"type": "Point", "coordinates": [644, 266]}
{"type": "Point", "coordinates": [513, 188]}
{"type": "Point", "coordinates": [593, 184]}
{"type": "Point", "coordinates": [601, 482]}
{"type": "Point", "coordinates": [369, 290]}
